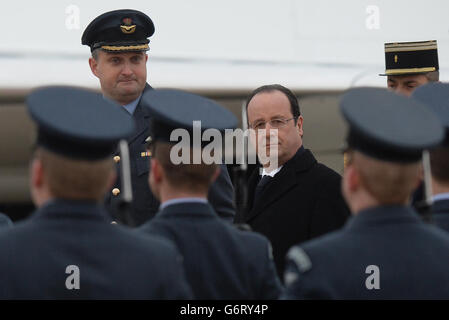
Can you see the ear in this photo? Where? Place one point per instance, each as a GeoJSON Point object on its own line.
{"type": "Point", "coordinates": [299, 125]}
{"type": "Point", "coordinates": [37, 174]}
{"type": "Point", "coordinates": [352, 178]}
{"type": "Point", "coordinates": [216, 174]}
{"type": "Point", "coordinates": [93, 66]}
{"type": "Point", "coordinates": [146, 57]}
{"type": "Point", "coordinates": [157, 171]}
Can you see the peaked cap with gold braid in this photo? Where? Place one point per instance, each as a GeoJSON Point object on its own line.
{"type": "Point", "coordinates": [119, 31]}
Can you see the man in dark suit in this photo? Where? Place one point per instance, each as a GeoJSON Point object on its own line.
{"type": "Point", "coordinates": [221, 262]}
{"type": "Point", "coordinates": [299, 198]}
{"type": "Point", "coordinates": [436, 97]}
{"type": "Point", "coordinates": [69, 249]}
{"type": "Point", "coordinates": [384, 251]}
{"type": "Point", "coordinates": [118, 41]}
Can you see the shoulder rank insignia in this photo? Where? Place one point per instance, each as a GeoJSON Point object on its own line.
{"type": "Point", "coordinates": [300, 258]}
{"type": "Point", "coordinates": [127, 27]}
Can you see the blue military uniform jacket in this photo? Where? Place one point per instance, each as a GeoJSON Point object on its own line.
{"type": "Point", "coordinates": [221, 262]}
{"type": "Point", "coordinates": [386, 247]}
{"type": "Point", "coordinates": [440, 214]}
{"type": "Point", "coordinates": [145, 205]}
{"type": "Point", "coordinates": [5, 221]}
{"type": "Point", "coordinates": [38, 255]}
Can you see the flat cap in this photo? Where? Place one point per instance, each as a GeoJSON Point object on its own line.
{"type": "Point", "coordinates": [173, 109]}
{"type": "Point", "coordinates": [78, 123]}
{"type": "Point", "coordinates": [387, 126]}
{"type": "Point", "coordinates": [435, 95]}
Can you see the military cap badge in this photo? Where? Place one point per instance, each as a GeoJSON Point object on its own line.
{"type": "Point", "coordinates": [127, 27]}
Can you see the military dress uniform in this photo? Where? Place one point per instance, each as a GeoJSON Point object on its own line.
{"type": "Point", "coordinates": [384, 251]}
{"type": "Point", "coordinates": [436, 97]}
{"type": "Point", "coordinates": [69, 249]}
{"type": "Point", "coordinates": [5, 221]}
{"type": "Point", "coordinates": [128, 31]}
{"type": "Point", "coordinates": [221, 262]}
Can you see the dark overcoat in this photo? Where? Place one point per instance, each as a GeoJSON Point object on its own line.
{"type": "Point", "coordinates": [302, 201]}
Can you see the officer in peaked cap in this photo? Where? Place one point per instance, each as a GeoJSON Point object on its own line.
{"type": "Point", "coordinates": [384, 251]}
{"type": "Point", "coordinates": [68, 249]}
{"type": "Point", "coordinates": [119, 31]}
{"type": "Point", "coordinates": [118, 41]}
{"type": "Point", "coordinates": [215, 253]}
{"type": "Point", "coordinates": [436, 96]}
{"type": "Point", "coordinates": [410, 64]}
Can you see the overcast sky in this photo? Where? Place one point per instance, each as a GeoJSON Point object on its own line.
{"type": "Point", "coordinates": [300, 31]}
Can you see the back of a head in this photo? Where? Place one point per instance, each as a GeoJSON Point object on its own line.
{"type": "Point", "coordinates": [78, 131]}
{"type": "Point", "coordinates": [385, 145]}
{"type": "Point", "coordinates": [388, 182]}
{"type": "Point", "coordinates": [192, 177]}
{"type": "Point", "coordinates": [436, 97]}
{"type": "Point", "coordinates": [190, 115]}
{"type": "Point", "coordinates": [75, 179]}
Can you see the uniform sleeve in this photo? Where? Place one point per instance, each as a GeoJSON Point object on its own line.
{"type": "Point", "coordinates": [271, 285]}
{"type": "Point", "coordinates": [301, 282]}
{"type": "Point", "coordinates": [179, 289]}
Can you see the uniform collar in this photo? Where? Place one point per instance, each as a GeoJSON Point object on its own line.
{"type": "Point", "coordinates": [62, 208]}
{"type": "Point", "coordinates": [383, 215]}
{"type": "Point", "coordinates": [440, 206]}
{"type": "Point", "coordinates": [186, 208]}
{"type": "Point", "coordinates": [182, 200]}
{"type": "Point", "coordinates": [440, 196]}
{"type": "Point", "coordinates": [131, 107]}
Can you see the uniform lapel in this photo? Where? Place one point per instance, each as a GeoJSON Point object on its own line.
{"type": "Point", "coordinates": [282, 182]}
{"type": "Point", "coordinates": [141, 118]}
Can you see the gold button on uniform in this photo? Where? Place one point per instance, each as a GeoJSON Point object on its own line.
{"type": "Point", "coordinates": [116, 191]}
{"type": "Point", "coordinates": [116, 159]}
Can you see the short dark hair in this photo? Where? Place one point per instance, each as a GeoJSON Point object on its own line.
{"type": "Point", "coordinates": [439, 164]}
{"type": "Point", "coordinates": [193, 177]}
{"type": "Point", "coordinates": [97, 50]}
{"type": "Point", "coordinates": [95, 53]}
{"type": "Point", "coordinates": [73, 178]}
{"type": "Point", "coordinates": [294, 105]}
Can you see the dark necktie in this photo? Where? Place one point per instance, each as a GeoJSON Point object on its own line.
{"type": "Point", "coordinates": [260, 186]}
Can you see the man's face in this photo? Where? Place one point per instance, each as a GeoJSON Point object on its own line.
{"type": "Point", "coordinates": [406, 84]}
{"type": "Point", "coordinates": [122, 75]}
{"type": "Point", "coordinates": [266, 106]}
